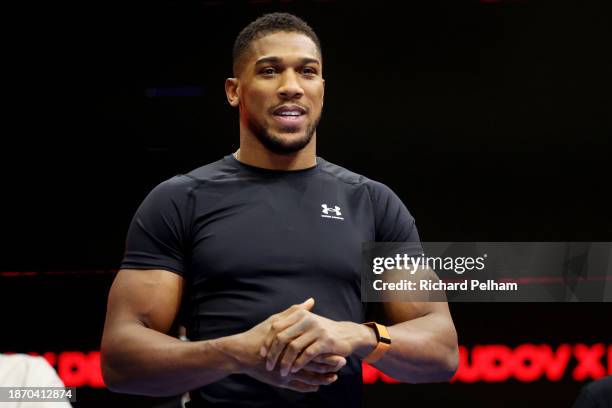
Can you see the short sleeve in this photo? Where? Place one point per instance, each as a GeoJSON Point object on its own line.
{"type": "Point", "coordinates": [158, 236]}
{"type": "Point", "coordinates": [393, 221]}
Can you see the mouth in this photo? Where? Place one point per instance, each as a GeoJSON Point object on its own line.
{"type": "Point", "coordinates": [289, 115]}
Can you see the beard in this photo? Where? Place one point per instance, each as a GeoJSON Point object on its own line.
{"type": "Point", "coordinates": [279, 144]}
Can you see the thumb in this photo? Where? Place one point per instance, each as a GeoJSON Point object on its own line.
{"type": "Point", "coordinates": [308, 304]}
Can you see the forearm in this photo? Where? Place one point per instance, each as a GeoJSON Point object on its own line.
{"type": "Point", "coordinates": [139, 360]}
{"type": "Point", "coordinates": [422, 350]}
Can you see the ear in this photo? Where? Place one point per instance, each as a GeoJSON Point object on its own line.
{"type": "Point", "coordinates": [232, 91]}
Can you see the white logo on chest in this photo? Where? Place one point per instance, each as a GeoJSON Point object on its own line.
{"type": "Point", "coordinates": [336, 210]}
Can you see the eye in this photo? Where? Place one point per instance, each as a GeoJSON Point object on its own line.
{"type": "Point", "coordinates": [309, 71]}
{"type": "Point", "coordinates": [268, 71]}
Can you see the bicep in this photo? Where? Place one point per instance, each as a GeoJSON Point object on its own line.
{"type": "Point", "coordinates": [151, 297]}
{"type": "Point", "coordinates": [398, 312]}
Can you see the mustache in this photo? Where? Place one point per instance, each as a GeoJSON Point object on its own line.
{"type": "Point", "coordinates": [289, 104]}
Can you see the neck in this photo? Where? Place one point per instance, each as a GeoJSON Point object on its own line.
{"type": "Point", "coordinates": [253, 153]}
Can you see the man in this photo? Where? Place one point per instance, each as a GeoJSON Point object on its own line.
{"type": "Point", "coordinates": [242, 239]}
{"type": "Point", "coordinates": [596, 394]}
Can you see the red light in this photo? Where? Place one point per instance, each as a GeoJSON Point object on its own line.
{"type": "Point", "coordinates": [610, 359]}
{"type": "Point", "coordinates": [71, 368]}
{"type": "Point", "coordinates": [77, 369]}
{"type": "Point", "coordinates": [555, 364]}
{"type": "Point", "coordinates": [528, 366]}
{"type": "Point", "coordinates": [589, 361]}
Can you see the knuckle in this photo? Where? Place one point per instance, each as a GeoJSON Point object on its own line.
{"type": "Point", "coordinates": [318, 368]}
{"type": "Point", "coordinates": [322, 359]}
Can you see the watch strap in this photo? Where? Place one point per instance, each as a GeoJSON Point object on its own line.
{"type": "Point", "coordinates": [383, 342]}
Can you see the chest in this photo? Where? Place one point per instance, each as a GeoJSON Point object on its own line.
{"type": "Point", "coordinates": [281, 229]}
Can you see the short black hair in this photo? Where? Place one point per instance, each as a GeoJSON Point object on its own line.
{"type": "Point", "coordinates": [268, 24]}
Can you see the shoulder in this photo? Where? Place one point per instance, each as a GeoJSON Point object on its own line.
{"type": "Point", "coordinates": [600, 388]}
{"type": "Point", "coordinates": [340, 173]}
{"type": "Point", "coordinates": [377, 190]}
{"type": "Point", "coordinates": [220, 169]}
{"type": "Point", "coordinates": [344, 175]}
{"type": "Point", "coordinates": [183, 185]}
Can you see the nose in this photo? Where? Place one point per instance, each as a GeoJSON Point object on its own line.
{"type": "Point", "coordinates": [290, 87]}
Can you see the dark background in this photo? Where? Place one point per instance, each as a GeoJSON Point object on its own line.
{"type": "Point", "coordinates": [491, 120]}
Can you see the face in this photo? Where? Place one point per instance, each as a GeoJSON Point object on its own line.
{"type": "Point", "coordinates": [279, 91]}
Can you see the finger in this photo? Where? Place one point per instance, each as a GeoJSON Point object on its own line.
{"type": "Point", "coordinates": [277, 327]}
{"type": "Point", "coordinates": [339, 362]}
{"type": "Point", "coordinates": [282, 339]}
{"type": "Point", "coordinates": [330, 359]}
{"type": "Point", "coordinates": [299, 386]}
{"type": "Point", "coordinates": [305, 305]}
{"type": "Point", "coordinates": [294, 349]}
{"type": "Point", "coordinates": [322, 368]}
{"type": "Point", "coordinates": [281, 317]}
{"type": "Point", "coordinates": [306, 357]}
{"type": "Point", "coordinates": [311, 378]}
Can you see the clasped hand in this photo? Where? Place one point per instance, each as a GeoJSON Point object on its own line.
{"type": "Point", "coordinates": [297, 349]}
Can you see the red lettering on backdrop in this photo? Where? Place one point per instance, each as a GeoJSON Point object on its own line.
{"type": "Point", "coordinates": [466, 372]}
{"type": "Point", "coordinates": [78, 369]}
{"type": "Point", "coordinates": [589, 361]}
{"type": "Point", "coordinates": [610, 359]}
{"type": "Point", "coordinates": [529, 362]}
{"type": "Point", "coordinates": [556, 363]}
{"type": "Point", "coordinates": [51, 358]}
{"type": "Point", "coordinates": [72, 367]}
{"type": "Point", "coordinates": [495, 362]}
{"type": "Point", "coordinates": [95, 371]}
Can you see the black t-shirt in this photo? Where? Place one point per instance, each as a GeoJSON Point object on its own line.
{"type": "Point", "coordinates": [251, 242]}
{"type": "Point", "coordinates": [597, 394]}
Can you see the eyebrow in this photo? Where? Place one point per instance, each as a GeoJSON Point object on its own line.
{"type": "Point", "coordinates": [277, 60]}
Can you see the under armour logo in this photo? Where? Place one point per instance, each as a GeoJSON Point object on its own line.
{"type": "Point", "coordinates": [326, 210]}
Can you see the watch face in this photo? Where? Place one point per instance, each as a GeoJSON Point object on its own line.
{"type": "Point", "coordinates": [383, 334]}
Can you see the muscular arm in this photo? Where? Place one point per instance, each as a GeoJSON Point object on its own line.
{"type": "Point", "coordinates": [424, 342]}
{"type": "Point", "coordinates": [138, 356]}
